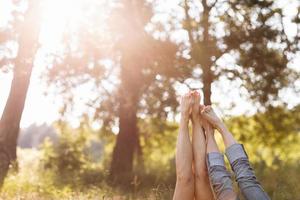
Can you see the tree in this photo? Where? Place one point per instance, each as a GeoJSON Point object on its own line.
{"type": "Point", "coordinates": [142, 59]}
{"type": "Point", "coordinates": [28, 33]}
{"type": "Point", "coordinates": [143, 66]}
{"type": "Point", "coordinates": [250, 31]}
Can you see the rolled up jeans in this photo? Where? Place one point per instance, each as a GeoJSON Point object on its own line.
{"type": "Point", "coordinates": [221, 180]}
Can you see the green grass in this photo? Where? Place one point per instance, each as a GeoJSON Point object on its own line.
{"type": "Point", "coordinates": [34, 183]}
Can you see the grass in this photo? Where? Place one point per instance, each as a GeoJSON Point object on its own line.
{"type": "Point", "coordinates": [34, 183]}
{"type": "Point", "coordinates": [31, 182]}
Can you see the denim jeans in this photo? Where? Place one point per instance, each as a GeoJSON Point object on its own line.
{"type": "Point", "coordinates": [244, 175]}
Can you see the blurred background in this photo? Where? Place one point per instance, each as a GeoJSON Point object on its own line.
{"type": "Point", "coordinates": [89, 92]}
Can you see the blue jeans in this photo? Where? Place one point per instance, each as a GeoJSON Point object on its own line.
{"type": "Point", "coordinates": [221, 179]}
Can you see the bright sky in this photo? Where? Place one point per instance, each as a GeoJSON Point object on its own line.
{"type": "Point", "coordinates": [44, 109]}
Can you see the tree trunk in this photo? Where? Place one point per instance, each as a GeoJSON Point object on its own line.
{"type": "Point", "coordinates": [126, 146]}
{"type": "Point", "coordinates": [206, 60]}
{"type": "Point", "coordinates": [207, 81]}
{"type": "Point", "coordinates": [133, 56]}
{"type": "Point", "coordinates": [10, 121]}
{"type": "Point", "coordinates": [11, 117]}
{"type": "Point", "coordinates": [4, 163]}
{"type": "Point", "coordinates": [127, 139]}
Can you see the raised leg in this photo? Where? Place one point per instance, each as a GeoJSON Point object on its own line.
{"type": "Point", "coordinates": [219, 176]}
{"type": "Point", "coordinates": [184, 156]}
{"type": "Point", "coordinates": [202, 186]}
{"type": "Point", "coordinates": [238, 159]}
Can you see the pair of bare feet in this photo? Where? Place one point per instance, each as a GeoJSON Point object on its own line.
{"type": "Point", "coordinates": [191, 108]}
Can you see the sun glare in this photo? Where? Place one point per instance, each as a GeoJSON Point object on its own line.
{"type": "Point", "coordinates": [59, 15]}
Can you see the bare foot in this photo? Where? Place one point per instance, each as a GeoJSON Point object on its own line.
{"type": "Point", "coordinates": [208, 114]}
{"type": "Point", "coordinates": [186, 106]}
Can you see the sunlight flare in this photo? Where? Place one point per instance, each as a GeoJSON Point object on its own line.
{"type": "Point", "coordinates": [59, 15]}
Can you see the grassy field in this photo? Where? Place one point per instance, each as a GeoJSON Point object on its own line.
{"type": "Point", "coordinates": [32, 182]}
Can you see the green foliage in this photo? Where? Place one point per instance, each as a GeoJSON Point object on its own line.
{"type": "Point", "coordinates": [155, 167]}
{"type": "Point", "coordinates": [158, 141]}
{"type": "Point", "coordinates": [253, 34]}
{"type": "Point", "coordinates": [69, 158]}
{"type": "Point", "coordinates": [272, 135]}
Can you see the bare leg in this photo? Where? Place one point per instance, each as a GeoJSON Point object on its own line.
{"type": "Point", "coordinates": [210, 137]}
{"type": "Point", "coordinates": [184, 156]}
{"type": "Point", "coordinates": [202, 185]}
